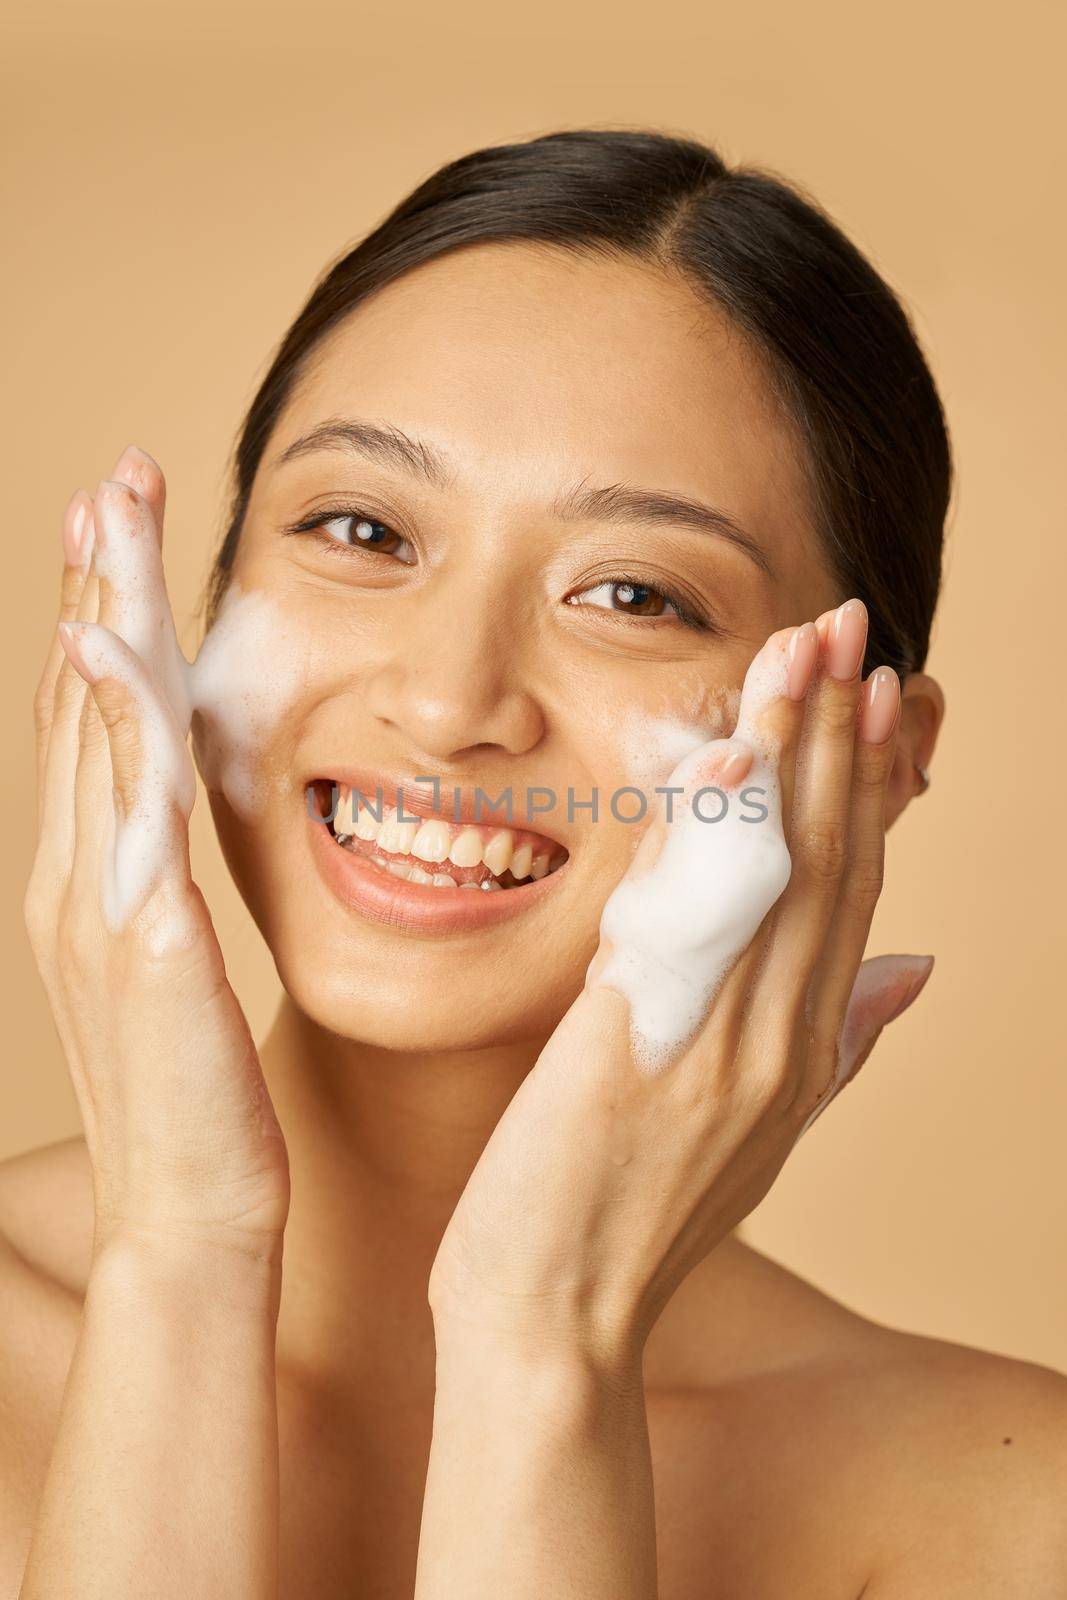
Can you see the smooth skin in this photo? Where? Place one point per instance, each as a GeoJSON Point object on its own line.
{"type": "Point", "coordinates": [498, 1360]}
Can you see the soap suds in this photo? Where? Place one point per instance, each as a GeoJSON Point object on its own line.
{"type": "Point", "coordinates": [653, 745]}
{"type": "Point", "coordinates": [676, 927]}
{"type": "Point", "coordinates": [249, 667]}
{"type": "Point", "coordinates": [139, 849]}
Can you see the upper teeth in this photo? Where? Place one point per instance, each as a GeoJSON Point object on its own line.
{"type": "Point", "coordinates": [434, 841]}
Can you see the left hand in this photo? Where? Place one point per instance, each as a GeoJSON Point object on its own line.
{"type": "Point", "coordinates": [603, 1185]}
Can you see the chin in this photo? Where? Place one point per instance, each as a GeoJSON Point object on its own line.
{"type": "Point", "coordinates": [407, 1018]}
{"type": "Point", "coordinates": [364, 980]}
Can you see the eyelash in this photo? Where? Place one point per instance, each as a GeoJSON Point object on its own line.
{"type": "Point", "coordinates": [316, 524]}
{"type": "Point", "coordinates": [686, 614]}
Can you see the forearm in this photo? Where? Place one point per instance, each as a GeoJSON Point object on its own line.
{"type": "Point", "coordinates": [539, 1481]}
{"type": "Point", "coordinates": [163, 1478]}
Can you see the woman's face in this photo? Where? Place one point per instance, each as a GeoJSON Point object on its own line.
{"type": "Point", "coordinates": [500, 595]}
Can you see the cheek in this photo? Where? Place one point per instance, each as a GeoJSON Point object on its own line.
{"type": "Point", "coordinates": [647, 742]}
{"type": "Point", "coordinates": [252, 667]}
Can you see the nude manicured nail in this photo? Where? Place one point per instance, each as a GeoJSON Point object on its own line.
{"type": "Point", "coordinates": [131, 463]}
{"type": "Point", "coordinates": [71, 635]}
{"type": "Point", "coordinates": [881, 701]}
{"type": "Point", "coordinates": [75, 520]}
{"type": "Point", "coordinates": [735, 767]}
{"type": "Point", "coordinates": [848, 639]}
{"type": "Point", "coordinates": [803, 650]}
{"type": "Point", "coordinates": [924, 966]}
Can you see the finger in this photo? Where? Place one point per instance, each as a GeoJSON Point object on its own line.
{"type": "Point", "coordinates": [77, 521]}
{"type": "Point", "coordinates": [680, 928]}
{"type": "Point", "coordinates": [125, 571]}
{"type": "Point", "coordinates": [72, 713]}
{"type": "Point", "coordinates": [131, 841]}
{"type": "Point", "coordinates": [135, 603]}
{"type": "Point", "coordinates": [779, 711]}
{"type": "Point", "coordinates": [58, 825]}
{"type": "Point", "coordinates": [137, 468]}
{"type": "Point", "coordinates": [772, 716]}
{"type": "Point", "coordinates": [817, 829]}
{"type": "Point", "coordinates": [885, 987]}
{"type": "Point", "coordinates": [861, 883]}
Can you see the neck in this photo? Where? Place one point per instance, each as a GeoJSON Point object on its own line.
{"type": "Point", "coordinates": [381, 1145]}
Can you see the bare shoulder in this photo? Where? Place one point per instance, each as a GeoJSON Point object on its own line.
{"type": "Point", "coordinates": [45, 1241]}
{"type": "Point", "coordinates": [974, 1474]}
{"type": "Point", "coordinates": [917, 1466]}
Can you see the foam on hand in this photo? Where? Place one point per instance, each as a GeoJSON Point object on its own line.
{"type": "Point", "coordinates": [675, 927]}
{"type": "Point", "coordinates": [241, 682]}
{"type": "Point", "coordinates": [138, 848]}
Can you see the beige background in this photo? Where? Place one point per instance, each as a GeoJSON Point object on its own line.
{"type": "Point", "coordinates": [176, 175]}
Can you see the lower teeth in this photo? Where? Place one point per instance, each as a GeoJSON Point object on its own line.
{"type": "Point", "coordinates": [410, 871]}
{"type": "Point", "coordinates": [406, 871]}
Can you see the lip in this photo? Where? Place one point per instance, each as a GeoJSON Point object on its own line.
{"type": "Point", "coordinates": [415, 908]}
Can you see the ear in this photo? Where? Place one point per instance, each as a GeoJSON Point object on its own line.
{"type": "Point", "coordinates": [922, 710]}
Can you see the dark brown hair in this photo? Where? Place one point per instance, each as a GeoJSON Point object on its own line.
{"type": "Point", "coordinates": [837, 342]}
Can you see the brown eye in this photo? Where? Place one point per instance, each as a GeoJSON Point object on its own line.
{"type": "Point", "coordinates": [632, 599]}
{"type": "Point", "coordinates": [638, 599]}
{"type": "Point", "coordinates": [359, 532]}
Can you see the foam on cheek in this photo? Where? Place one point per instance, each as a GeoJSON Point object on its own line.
{"type": "Point", "coordinates": [675, 928]}
{"type": "Point", "coordinates": [652, 746]}
{"type": "Point", "coordinates": [249, 669]}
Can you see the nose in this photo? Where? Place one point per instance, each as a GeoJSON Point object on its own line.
{"type": "Point", "coordinates": [455, 682]}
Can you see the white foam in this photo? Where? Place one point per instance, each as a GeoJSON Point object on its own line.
{"type": "Point", "coordinates": [675, 927]}
{"type": "Point", "coordinates": [249, 667]}
{"type": "Point", "coordinates": [127, 558]}
{"type": "Point", "coordinates": [652, 745]}
{"type": "Point", "coordinates": [141, 843]}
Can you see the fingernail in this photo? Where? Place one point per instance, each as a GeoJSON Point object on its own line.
{"type": "Point", "coordinates": [803, 649]}
{"type": "Point", "coordinates": [735, 768]}
{"type": "Point", "coordinates": [75, 519]}
{"type": "Point", "coordinates": [915, 988]}
{"type": "Point", "coordinates": [130, 463]}
{"type": "Point", "coordinates": [848, 637]}
{"type": "Point", "coordinates": [881, 702]}
{"type": "Point", "coordinates": [109, 495]}
{"type": "Point", "coordinates": [70, 634]}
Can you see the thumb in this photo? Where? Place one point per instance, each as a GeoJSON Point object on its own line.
{"type": "Point", "coordinates": [885, 987]}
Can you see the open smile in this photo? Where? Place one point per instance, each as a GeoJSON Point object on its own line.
{"type": "Point", "coordinates": [430, 874]}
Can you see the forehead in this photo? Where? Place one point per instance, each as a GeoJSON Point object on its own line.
{"type": "Point", "coordinates": [531, 366]}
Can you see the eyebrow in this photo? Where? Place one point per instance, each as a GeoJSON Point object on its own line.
{"type": "Point", "coordinates": [380, 442]}
{"type": "Point", "coordinates": [614, 503]}
{"type": "Point", "coordinates": [620, 502]}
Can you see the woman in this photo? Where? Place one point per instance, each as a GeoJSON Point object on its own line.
{"type": "Point", "coordinates": [590, 433]}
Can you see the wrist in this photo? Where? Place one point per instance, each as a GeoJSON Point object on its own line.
{"type": "Point", "coordinates": [474, 1352]}
{"type": "Point", "coordinates": [188, 1269]}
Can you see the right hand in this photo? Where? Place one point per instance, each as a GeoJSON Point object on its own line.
{"type": "Point", "coordinates": [180, 1130]}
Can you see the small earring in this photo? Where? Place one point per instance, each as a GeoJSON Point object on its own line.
{"type": "Point", "coordinates": [924, 777]}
